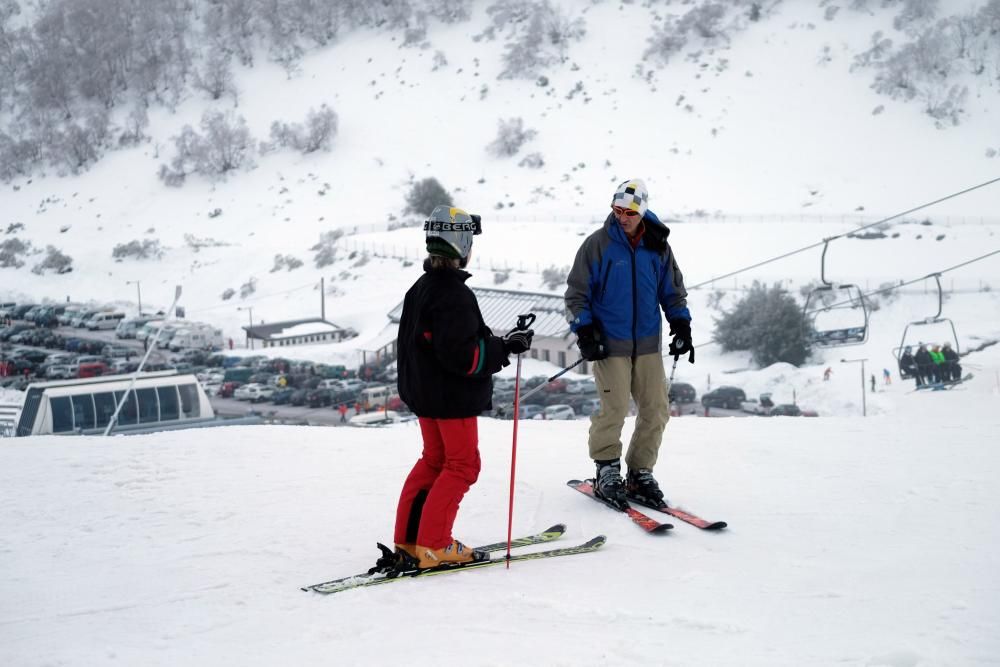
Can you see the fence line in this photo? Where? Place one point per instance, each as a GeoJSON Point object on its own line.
{"type": "Point", "coordinates": [416, 254]}
{"type": "Point", "coordinates": [702, 218]}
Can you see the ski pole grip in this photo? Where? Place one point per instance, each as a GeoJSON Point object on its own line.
{"type": "Point", "coordinates": [524, 322]}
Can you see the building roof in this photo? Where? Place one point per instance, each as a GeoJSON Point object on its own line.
{"type": "Point", "coordinates": [306, 327]}
{"type": "Point", "coordinates": [501, 308]}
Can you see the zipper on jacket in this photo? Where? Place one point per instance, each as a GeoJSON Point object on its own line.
{"type": "Point", "coordinates": [635, 306]}
{"type": "Point", "coordinates": [604, 283]}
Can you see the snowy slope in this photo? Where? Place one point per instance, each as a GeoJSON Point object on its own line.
{"type": "Point", "coordinates": [864, 542]}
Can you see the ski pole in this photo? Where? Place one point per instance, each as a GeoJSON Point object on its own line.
{"type": "Point", "coordinates": [523, 322]}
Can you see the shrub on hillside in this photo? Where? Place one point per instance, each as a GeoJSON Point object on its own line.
{"type": "Point", "coordinates": [511, 136]}
{"type": "Point", "coordinates": [769, 323]}
{"type": "Point", "coordinates": [705, 21]}
{"type": "Point", "coordinates": [54, 261]}
{"type": "Point", "coordinates": [554, 277]}
{"type": "Point", "coordinates": [424, 196]}
{"type": "Point", "coordinates": [288, 262]}
{"type": "Point", "coordinates": [538, 35]}
{"type": "Point", "coordinates": [216, 74]}
{"type": "Point", "coordinates": [248, 288]}
{"type": "Point", "coordinates": [146, 249]}
{"type": "Point", "coordinates": [11, 251]}
{"type": "Point", "coordinates": [315, 134]}
{"type": "Point", "coordinates": [326, 250]}
{"type": "Point", "coordinates": [225, 146]}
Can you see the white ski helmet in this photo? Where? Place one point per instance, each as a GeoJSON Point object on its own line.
{"type": "Point", "coordinates": [450, 231]}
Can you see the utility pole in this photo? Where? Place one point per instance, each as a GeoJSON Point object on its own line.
{"type": "Point", "coordinates": [322, 298]}
{"type": "Point", "coordinates": [138, 290]}
{"type": "Point", "coordinates": [864, 409]}
{"type": "Point", "coordinates": [249, 337]}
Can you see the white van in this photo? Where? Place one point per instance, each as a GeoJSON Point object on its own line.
{"type": "Point", "coordinates": [376, 397]}
{"type": "Point", "coordinates": [128, 327]}
{"type": "Point", "coordinates": [105, 321]}
{"type": "Point", "coordinates": [196, 337]}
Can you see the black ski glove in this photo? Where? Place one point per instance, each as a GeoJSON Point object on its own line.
{"type": "Point", "coordinates": [592, 348]}
{"type": "Point", "coordinates": [517, 341]}
{"type": "Point", "coordinates": [681, 343]}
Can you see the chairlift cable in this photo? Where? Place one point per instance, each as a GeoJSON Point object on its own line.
{"type": "Point", "coordinates": [884, 290]}
{"type": "Point", "coordinates": [837, 236]}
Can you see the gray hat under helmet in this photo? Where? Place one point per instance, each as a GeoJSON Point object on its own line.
{"type": "Point", "coordinates": [450, 231]}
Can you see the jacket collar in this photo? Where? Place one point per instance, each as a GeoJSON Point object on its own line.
{"type": "Point", "coordinates": [446, 271]}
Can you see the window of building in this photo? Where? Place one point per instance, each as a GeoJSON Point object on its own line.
{"type": "Point", "coordinates": [190, 407]}
{"type": "Point", "coordinates": [62, 414]}
{"type": "Point", "coordinates": [83, 411]}
{"type": "Point", "coordinates": [562, 359]}
{"type": "Point", "coordinates": [149, 407]}
{"type": "Point", "coordinates": [545, 355]}
{"type": "Point", "coordinates": [130, 411]}
{"type": "Point", "coordinates": [169, 404]}
{"type": "Point", "coordinates": [104, 406]}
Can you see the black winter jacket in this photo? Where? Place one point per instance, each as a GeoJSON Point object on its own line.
{"type": "Point", "coordinates": [447, 354]}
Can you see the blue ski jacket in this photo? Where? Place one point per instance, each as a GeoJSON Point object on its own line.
{"type": "Point", "coordinates": [621, 291]}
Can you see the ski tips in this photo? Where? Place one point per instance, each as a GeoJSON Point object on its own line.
{"type": "Point", "coordinates": [559, 528]}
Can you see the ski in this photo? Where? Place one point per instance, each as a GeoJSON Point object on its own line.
{"type": "Point", "coordinates": [365, 580]}
{"type": "Point", "coordinates": [647, 523]}
{"type": "Point", "coordinates": [552, 533]}
{"type": "Point", "coordinates": [684, 516]}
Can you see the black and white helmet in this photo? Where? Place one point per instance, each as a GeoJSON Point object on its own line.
{"type": "Point", "coordinates": [450, 231]}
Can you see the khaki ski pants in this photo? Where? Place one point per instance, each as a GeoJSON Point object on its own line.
{"type": "Point", "coordinates": [619, 379]}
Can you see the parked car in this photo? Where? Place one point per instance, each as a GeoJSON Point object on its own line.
{"type": "Point", "coordinates": [724, 397]}
{"type": "Point", "coordinates": [60, 371]}
{"type": "Point", "coordinates": [92, 369]}
{"type": "Point", "coordinates": [529, 411]}
{"type": "Point", "coordinates": [758, 407]}
{"type": "Point", "coordinates": [786, 410]}
{"type": "Point", "coordinates": [115, 351]}
{"type": "Point", "coordinates": [298, 396]}
{"type": "Point", "coordinates": [590, 406]}
{"type": "Point", "coordinates": [319, 397]}
{"type": "Point", "coordinates": [253, 392]}
{"type": "Point", "coordinates": [282, 396]}
{"type": "Point", "coordinates": [585, 386]}
{"type": "Point", "coordinates": [682, 392]}
{"type": "Point", "coordinates": [559, 412]}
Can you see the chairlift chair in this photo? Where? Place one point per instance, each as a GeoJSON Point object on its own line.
{"type": "Point", "coordinates": [936, 319]}
{"type": "Point", "coordinates": [853, 303]}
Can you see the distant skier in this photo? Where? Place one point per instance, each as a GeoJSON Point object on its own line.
{"type": "Point", "coordinates": [886, 376]}
{"type": "Point", "coordinates": [447, 356]}
{"type": "Point", "coordinates": [873, 383]}
{"type": "Point", "coordinates": [827, 373]}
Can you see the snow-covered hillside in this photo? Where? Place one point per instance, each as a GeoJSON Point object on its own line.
{"type": "Point", "coordinates": [757, 126]}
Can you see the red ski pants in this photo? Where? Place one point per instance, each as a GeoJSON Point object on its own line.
{"type": "Point", "coordinates": [438, 481]}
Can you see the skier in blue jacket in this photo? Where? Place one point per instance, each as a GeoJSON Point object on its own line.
{"type": "Point", "coordinates": [624, 274]}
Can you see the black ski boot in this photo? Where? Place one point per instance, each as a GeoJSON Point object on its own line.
{"type": "Point", "coordinates": [392, 563]}
{"type": "Point", "coordinates": [642, 487]}
{"type": "Point", "coordinates": [608, 483]}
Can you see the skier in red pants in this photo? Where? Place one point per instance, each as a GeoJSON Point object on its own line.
{"type": "Point", "coordinates": [446, 358]}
